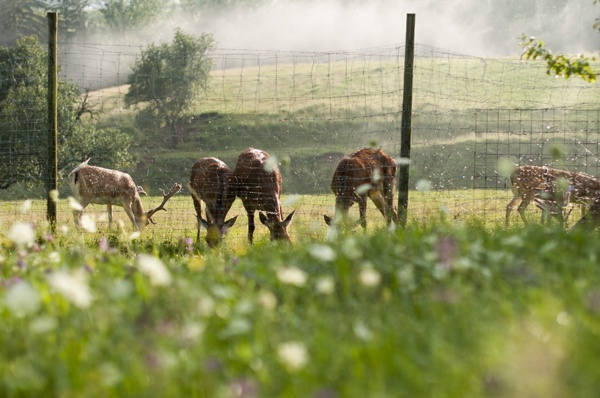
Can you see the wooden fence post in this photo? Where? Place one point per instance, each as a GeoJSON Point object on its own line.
{"type": "Point", "coordinates": [52, 167]}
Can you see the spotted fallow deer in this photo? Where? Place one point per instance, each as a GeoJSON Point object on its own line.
{"type": "Point", "coordinates": [258, 183]}
{"type": "Point", "coordinates": [364, 173]}
{"type": "Point", "coordinates": [526, 183]}
{"type": "Point", "coordinates": [564, 187]}
{"type": "Point", "coordinates": [212, 182]}
{"type": "Point", "coordinates": [97, 185]}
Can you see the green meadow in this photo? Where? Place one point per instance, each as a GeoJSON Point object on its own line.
{"type": "Point", "coordinates": [453, 305]}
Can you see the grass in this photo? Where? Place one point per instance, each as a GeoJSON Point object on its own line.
{"type": "Point", "coordinates": [439, 309]}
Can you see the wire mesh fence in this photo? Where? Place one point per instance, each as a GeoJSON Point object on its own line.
{"type": "Point", "coordinates": [308, 110]}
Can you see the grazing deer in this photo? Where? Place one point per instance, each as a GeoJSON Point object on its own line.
{"type": "Point", "coordinates": [212, 182]}
{"type": "Point", "coordinates": [258, 183]}
{"type": "Point", "coordinates": [97, 185]}
{"type": "Point", "coordinates": [591, 219]}
{"type": "Point", "coordinates": [526, 183]}
{"type": "Point", "coordinates": [366, 172]}
{"type": "Point", "coordinates": [564, 187]}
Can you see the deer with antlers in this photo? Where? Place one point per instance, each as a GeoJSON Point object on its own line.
{"type": "Point", "coordinates": [97, 185]}
{"type": "Point", "coordinates": [212, 182]}
{"type": "Point", "coordinates": [258, 182]}
{"type": "Point", "coordinates": [364, 173]}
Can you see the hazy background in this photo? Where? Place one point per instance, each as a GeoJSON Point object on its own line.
{"type": "Point", "coordinates": [472, 27]}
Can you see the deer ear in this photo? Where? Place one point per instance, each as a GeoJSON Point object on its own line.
{"type": "Point", "coordinates": [229, 223]}
{"type": "Point", "coordinates": [202, 221]}
{"type": "Point", "coordinates": [263, 219]}
{"type": "Point", "coordinates": [328, 219]}
{"type": "Point", "coordinates": [288, 219]}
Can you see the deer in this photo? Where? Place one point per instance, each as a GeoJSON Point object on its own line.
{"type": "Point", "coordinates": [259, 185]}
{"type": "Point", "coordinates": [526, 183]}
{"type": "Point", "coordinates": [364, 173]}
{"type": "Point", "coordinates": [97, 185]}
{"type": "Point", "coordinates": [212, 181]}
{"type": "Point", "coordinates": [565, 187]}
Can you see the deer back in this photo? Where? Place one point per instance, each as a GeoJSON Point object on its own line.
{"type": "Point", "coordinates": [258, 182]}
{"type": "Point", "coordinates": [97, 185]}
{"type": "Point", "coordinates": [212, 180]}
{"type": "Point", "coordinates": [527, 180]}
{"type": "Point", "coordinates": [359, 169]}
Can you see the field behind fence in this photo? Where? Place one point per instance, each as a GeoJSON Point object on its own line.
{"type": "Point", "coordinates": [309, 109]}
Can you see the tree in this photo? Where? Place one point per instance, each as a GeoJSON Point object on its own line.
{"type": "Point", "coordinates": [169, 79]}
{"type": "Point", "coordinates": [23, 121]}
{"type": "Point", "coordinates": [122, 16]}
{"type": "Point", "coordinates": [560, 64]}
{"type": "Point", "coordinates": [72, 16]}
{"type": "Point", "coordinates": [21, 18]}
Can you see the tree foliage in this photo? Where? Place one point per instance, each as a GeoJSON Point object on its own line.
{"type": "Point", "coordinates": [24, 124]}
{"type": "Point", "coordinates": [560, 64]}
{"type": "Point", "coordinates": [168, 79]}
{"type": "Point", "coordinates": [128, 15]}
{"type": "Point", "coordinates": [21, 18]}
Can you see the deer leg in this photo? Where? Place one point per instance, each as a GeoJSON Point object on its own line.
{"type": "Point", "coordinates": [251, 226]}
{"type": "Point", "coordinates": [510, 207]}
{"type": "Point", "coordinates": [129, 211]}
{"type": "Point", "coordinates": [362, 210]}
{"type": "Point", "coordinates": [110, 215]}
{"type": "Point", "coordinates": [521, 209]}
{"type": "Point", "coordinates": [381, 204]}
{"type": "Point", "coordinates": [198, 207]}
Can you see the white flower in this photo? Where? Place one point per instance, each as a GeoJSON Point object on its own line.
{"type": "Point", "coordinates": [369, 277]}
{"type": "Point", "coordinates": [22, 299]}
{"type": "Point", "coordinates": [362, 331]}
{"type": "Point", "coordinates": [22, 234]}
{"type": "Point", "coordinates": [293, 355]}
{"type": "Point", "coordinates": [322, 252]}
{"type": "Point", "coordinates": [155, 269]}
{"type": "Point", "coordinates": [292, 276]}
{"type": "Point", "coordinates": [74, 204]}
{"type": "Point", "coordinates": [325, 285]}
{"type": "Point", "coordinates": [25, 206]}
{"type": "Point", "coordinates": [54, 257]}
{"type": "Point", "coordinates": [267, 299]}
{"type": "Point", "coordinates": [88, 223]}
{"type": "Point", "coordinates": [270, 164]}
{"type": "Point", "coordinates": [72, 286]}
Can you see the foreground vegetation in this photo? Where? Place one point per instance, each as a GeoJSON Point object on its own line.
{"type": "Point", "coordinates": [438, 309]}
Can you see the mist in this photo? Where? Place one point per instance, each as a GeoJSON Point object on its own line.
{"type": "Point", "coordinates": [471, 27]}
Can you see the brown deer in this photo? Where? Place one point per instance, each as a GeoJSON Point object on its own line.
{"type": "Point", "coordinates": [212, 182]}
{"type": "Point", "coordinates": [97, 185]}
{"type": "Point", "coordinates": [366, 172]}
{"type": "Point", "coordinates": [258, 183]}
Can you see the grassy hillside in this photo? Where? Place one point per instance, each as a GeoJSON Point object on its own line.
{"type": "Point", "coordinates": [310, 113]}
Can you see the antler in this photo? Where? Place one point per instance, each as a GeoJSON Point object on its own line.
{"type": "Point", "coordinates": [166, 196]}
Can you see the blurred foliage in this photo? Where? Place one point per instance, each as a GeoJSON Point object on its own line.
{"type": "Point", "coordinates": [24, 118]}
{"type": "Point", "coordinates": [442, 310]}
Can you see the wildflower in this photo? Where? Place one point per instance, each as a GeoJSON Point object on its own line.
{"type": "Point", "coordinates": [72, 286]}
{"type": "Point", "coordinates": [22, 234]}
{"type": "Point", "coordinates": [54, 257]}
{"type": "Point", "coordinates": [155, 269]}
{"type": "Point", "coordinates": [325, 285]}
{"type": "Point", "coordinates": [88, 223]}
{"type": "Point", "coordinates": [270, 164]}
{"type": "Point", "coordinates": [369, 277]}
{"type": "Point", "coordinates": [22, 299]}
{"type": "Point", "coordinates": [74, 204]}
{"type": "Point", "coordinates": [322, 252]}
{"type": "Point", "coordinates": [292, 276]}
{"type": "Point", "coordinates": [267, 299]}
{"type": "Point", "coordinates": [25, 206]}
{"type": "Point", "coordinates": [293, 355]}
